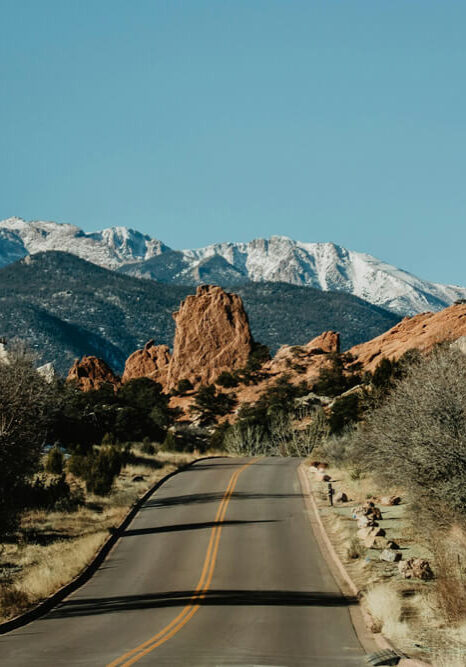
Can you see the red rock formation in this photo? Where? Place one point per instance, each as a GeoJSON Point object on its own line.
{"type": "Point", "coordinates": [212, 335]}
{"type": "Point", "coordinates": [303, 362]}
{"type": "Point", "coordinates": [152, 362]}
{"type": "Point", "coordinates": [92, 373]}
{"type": "Point", "coordinates": [421, 332]}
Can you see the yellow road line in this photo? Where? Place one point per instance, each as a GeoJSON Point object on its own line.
{"type": "Point", "coordinates": [202, 587]}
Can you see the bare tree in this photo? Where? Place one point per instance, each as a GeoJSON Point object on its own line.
{"type": "Point", "coordinates": [418, 436]}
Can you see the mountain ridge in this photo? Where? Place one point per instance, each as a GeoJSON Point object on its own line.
{"type": "Point", "coordinates": [326, 266]}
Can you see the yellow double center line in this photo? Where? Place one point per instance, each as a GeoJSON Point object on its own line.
{"type": "Point", "coordinates": [202, 587]}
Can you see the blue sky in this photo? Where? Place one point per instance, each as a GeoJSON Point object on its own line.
{"type": "Point", "coordinates": [203, 121]}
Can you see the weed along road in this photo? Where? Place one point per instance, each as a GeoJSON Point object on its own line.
{"type": "Point", "coordinates": [220, 567]}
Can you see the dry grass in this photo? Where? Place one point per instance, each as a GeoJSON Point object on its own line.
{"type": "Point", "coordinates": [385, 606]}
{"type": "Point", "coordinates": [53, 547]}
{"type": "Point", "coordinates": [410, 613]}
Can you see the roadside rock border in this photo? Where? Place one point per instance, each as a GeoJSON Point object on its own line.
{"type": "Point", "coordinates": [359, 616]}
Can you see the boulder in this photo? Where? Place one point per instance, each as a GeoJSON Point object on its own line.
{"type": "Point", "coordinates": [416, 568]}
{"type": "Point", "coordinates": [390, 556]}
{"type": "Point", "coordinates": [341, 497]}
{"type": "Point", "coordinates": [390, 500]}
{"type": "Point", "coordinates": [212, 335]}
{"type": "Point", "coordinates": [365, 521]}
{"type": "Point", "coordinates": [47, 371]}
{"type": "Point", "coordinates": [151, 362]}
{"type": "Point", "coordinates": [371, 531]}
{"type": "Point", "coordinates": [92, 373]}
{"type": "Point", "coordinates": [375, 542]}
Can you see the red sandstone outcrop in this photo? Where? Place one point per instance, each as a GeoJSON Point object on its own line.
{"type": "Point", "coordinates": [421, 332]}
{"type": "Point", "coordinates": [212, 335]}
{"type": "Point", "coordinates": [303, 362]}
{"type": "Point", "coordinates": [151, 362]}
{"type": "Point", "coordinates": [92, 373]}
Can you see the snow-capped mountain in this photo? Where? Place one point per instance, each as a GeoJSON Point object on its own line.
{"type": "Point", "coordinates": [325, 266]}
{"type": "Point", "coordinates": [110, 247]}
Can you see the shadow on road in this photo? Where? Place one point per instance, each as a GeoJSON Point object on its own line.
{"type": "Point", "coordinates": [94, 606]}
{"type": "Point", "coordinates": [190, 526]}
{"type": "Point", "coordinates": [196, 498]}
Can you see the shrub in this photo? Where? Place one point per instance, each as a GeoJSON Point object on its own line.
{"type": "Point", "coordinates": [43, 495]}
{"type": "Point", "coordinates": [169, 444]}
{"type": "Point", "coordinates": [147, 447]}
{"type": "Point", "coordinates": [184, 386]}
{"type": "Point", "coordinates": [333, 380]}
{"type": "Point", "coordinates": [417, 437]}
{"type": "Point", "coordinates": [210, 403]}
{"type": "Point", "coordinates": [217, 439]}
{"type": "Point", "coordinates": [345, 410]}
{"type": "Point", "coordinates": [227, 380]}
{"type": "Point", "coordinates": [55, 461]}
{"type": "Point", "coordinates": [103, 469]}
{"type": "Point", "coordinates": [259, 355]}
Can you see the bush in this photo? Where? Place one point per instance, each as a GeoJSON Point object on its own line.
{"type": "Point", "coordinates": [217, 439]}
{"type": "Point", "coordinates": [259, 355]}
{"type": "Point", "coordinates": [210, 403]}
{"type": "Point", "coordinates": [417, 437]}
{"type": "Point", "coordinates": [43, 495]}
{"type": "Point", "coordinates": [184, 386]}
{"type": "Point", "coordinates": [169, 444]}
{"type": "Point", "coordinates": [227, 380]}
{"type": "Point", "coordinates": [345, 411]}
{"type": "Point", "coordinates": [147, 447]}
{"type": "Point", "coordinates": [99, 469]}
{"type": "Point", "coordinates": [55, 461]}
{"type": "Point", "coordinates": [333, 380]}
{"type": "Point", "coordinates": [103, 469]}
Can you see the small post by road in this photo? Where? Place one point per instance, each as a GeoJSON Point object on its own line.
{"type": "Point", "coordinates": [330, 493]}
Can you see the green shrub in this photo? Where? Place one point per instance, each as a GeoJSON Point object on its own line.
{"type": "Point", "coordinates": [55, 461]}
{"type": "Point", "coordinates": [147, 447]}
{"type": "Point", "coordinates": [227, 380]}
{"type": "Point", "coordinates": [169, 444]}
{"type": "Point", "coordinates": [210, 403]}
{"type": "Point", "coordinates": [345, 411]}
{"type": "Point", "coordinates": [184, 386]}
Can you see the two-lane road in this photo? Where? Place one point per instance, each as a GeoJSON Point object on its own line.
{"type": "Point", "coordinates": [220, 567]}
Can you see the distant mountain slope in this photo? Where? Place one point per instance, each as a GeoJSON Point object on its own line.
{"type": "Point", "coordinates": [324, 266]}
{"type": "Point", "coordinates": [66, 307]}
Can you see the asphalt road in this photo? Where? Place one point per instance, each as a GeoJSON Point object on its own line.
{"type": "Point", "coordinates": [220, 567]}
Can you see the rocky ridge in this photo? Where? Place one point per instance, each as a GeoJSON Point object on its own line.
{"type": "Point", "coordinates": [421, 332]}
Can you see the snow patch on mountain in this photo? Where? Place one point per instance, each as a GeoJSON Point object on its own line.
{"type": "Point", "coordinates": [325, 266]}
